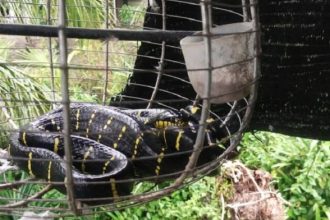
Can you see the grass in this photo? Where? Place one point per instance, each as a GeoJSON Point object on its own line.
{"type": "Point", "coordinates": [300, 168]}
{"type": "Point", "coordinates": [80, 13]}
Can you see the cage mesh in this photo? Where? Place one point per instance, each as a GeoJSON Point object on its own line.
{"type": "Point", "coordinates": [57, 53]}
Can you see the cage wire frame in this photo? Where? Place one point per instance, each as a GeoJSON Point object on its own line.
{"type": "Point", "coordinates": [63, 32]}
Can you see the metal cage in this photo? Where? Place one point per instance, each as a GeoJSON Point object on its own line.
{"type": "Point", "coordinates": [56, 59]}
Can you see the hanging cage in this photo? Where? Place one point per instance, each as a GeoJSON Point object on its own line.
{"type": "Point", "coordinates": [99, 98]}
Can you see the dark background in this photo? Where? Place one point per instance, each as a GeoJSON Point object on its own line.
{"type": "Point", "coordinates": [293, 94]}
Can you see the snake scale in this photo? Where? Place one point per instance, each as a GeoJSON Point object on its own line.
{"type": "Point", "coordinates": [110, 147]}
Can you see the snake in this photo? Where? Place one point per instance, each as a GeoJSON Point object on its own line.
{"type": "Point", "coordinates": [110, 146]}
{"type": "Point", "coordinates": [48, 165]}
{"type": "Point", "coordinates": [177, 131]}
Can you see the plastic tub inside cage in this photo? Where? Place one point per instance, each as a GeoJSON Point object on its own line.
{"type": "Point", "coordinates": [233, 48]}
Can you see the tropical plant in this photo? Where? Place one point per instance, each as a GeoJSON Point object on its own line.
{"type": "Point", "coordinates": [80, 13]}
{"type": "Point", "coordinates": [300, 168]}
{"type": "Point", "coordinates": [195, 201]}
{"type": "Point", "coordinates": [17, 90]}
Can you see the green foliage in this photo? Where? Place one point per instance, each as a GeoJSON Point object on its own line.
{"type": "Point", "coordinates": [78, 94]}
{"type": "Point", "coordinates": [26, 11]}
{"type": "Point", "coordinates": [131, 16]}
{"type": "Point", "coordinates": [20, 193]}
{"type": "Point", "coordinates": [196, 201]}
{"type": "Point", "coordinates": [300, 167]}
{"type": "Point", "coordinates": [85, 13]}
{"type": "Point", "coordinates": [18, 90]}
{"type": "Point", "coordinates": [21, 97]}
{"type": "Point", "coordinates": [80, 13]}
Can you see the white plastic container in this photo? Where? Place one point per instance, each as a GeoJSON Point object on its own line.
{"type": "Point", "coordinates": [231, 82]}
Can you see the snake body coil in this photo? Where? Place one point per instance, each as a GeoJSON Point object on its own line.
{"type": "Point", "coordinates": [46, 164]}
{"type": "Point", "coordinates": [109, 147]}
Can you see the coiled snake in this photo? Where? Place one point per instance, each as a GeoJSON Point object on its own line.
{"type": "Point", "coordinates": [110, 147]}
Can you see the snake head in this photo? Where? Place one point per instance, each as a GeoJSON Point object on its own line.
{"type": "Point", "coordinates": [191, 113]}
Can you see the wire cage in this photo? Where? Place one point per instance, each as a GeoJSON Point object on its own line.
{"type": "Point", "coordinates": [66, 65]}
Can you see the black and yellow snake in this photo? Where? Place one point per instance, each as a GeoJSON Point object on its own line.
{"type": "Point", "coordinates": [110, 146]}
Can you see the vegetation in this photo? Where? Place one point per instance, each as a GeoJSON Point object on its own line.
{"type": "Point", "coordinates": [80, 13]}
{"type": "Point", "coordinates": [300, 167]}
